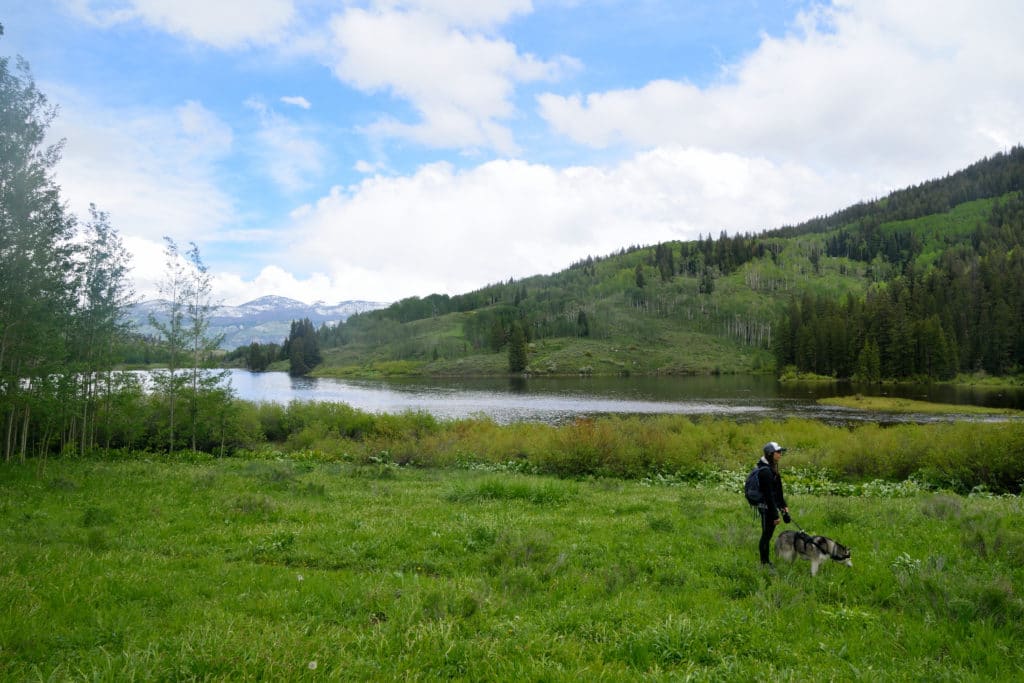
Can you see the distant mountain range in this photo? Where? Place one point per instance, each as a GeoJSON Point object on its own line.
{"type": "Point", "coordinates": [266, 320]}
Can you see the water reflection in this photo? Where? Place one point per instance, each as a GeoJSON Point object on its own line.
{"type": "Point", "coordinates": [556, 400]}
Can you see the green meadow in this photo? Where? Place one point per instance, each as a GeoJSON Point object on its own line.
{"type": "Point", "coordinates": [280, 568]}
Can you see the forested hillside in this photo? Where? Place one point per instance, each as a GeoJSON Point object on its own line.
{"type": "Point", "coordinates": [949, 303]}
{"type": "Point", "coordinates": [926, 282]}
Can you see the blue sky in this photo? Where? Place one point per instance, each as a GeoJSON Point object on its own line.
{"type": "Point", "coordinates": [379, 149]}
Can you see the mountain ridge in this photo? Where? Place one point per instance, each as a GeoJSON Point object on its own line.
{"type": "Point", "coordinates": [265, 320]}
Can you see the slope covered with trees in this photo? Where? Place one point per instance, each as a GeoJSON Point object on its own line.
{"type": "Point", "coordinates": [946, 298]}
{"type": "Point", "coordinates": [923, 283]}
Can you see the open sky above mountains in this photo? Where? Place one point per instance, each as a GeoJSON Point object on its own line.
{"type": "Point", "coordinates": [382, 149]}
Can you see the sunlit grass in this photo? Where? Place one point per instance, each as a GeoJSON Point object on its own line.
{"type": "Point", "coordinates": [906, 405]}
{"type": "Point", "coordinates": [985, 455]}
{"type": "Point", "coordinates": [289, 570]}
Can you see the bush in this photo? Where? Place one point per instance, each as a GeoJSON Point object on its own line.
{"type": "Point", "coordinates": [964, 457]}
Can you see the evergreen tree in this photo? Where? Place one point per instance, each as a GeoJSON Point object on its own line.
{"type": "Point", "coordinates": [707, 281]}
{"type": "Point", "coordinates": [664, 262]}
{"type": "Point", "coordinates": [258, 357]}
{"type": "Point", "coordinates": [517, 360]}
{"type": "Point", "coordinates": [302, 348]}
{"type": "Point", "coordinates": [869, 363]}
{"type": "Point", "coordinates": [582, 324]}
{"type": "Point", "coordinates": [497, 336]}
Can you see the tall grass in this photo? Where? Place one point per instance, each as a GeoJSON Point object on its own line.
{"type": "Point", "coordinates": [295, 570]}
{"type": "Point", "coordinates": [961, 456]}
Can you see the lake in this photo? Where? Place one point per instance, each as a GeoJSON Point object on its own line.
{"type": "Point", "coordinates": [556, 400]}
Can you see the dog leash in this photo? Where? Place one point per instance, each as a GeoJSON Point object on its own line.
{"type": "Point", "coordinates": [813, 542]}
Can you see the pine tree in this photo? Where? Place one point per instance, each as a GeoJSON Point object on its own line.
{"type": "Point", "coordinates": [497, 336]}
{"type": "Point", "coordinates": [517, 349]}
{"type": "Point", "coordinates": [582, 324]}
{"type": "Point", "coordinates": [638, 276]}
{"type": "Point", "coordinates": [869, 363]}
{"type": "Point", "coordinates": [302, 348]}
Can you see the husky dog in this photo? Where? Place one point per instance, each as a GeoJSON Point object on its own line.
{"type": "Point", "coordinates": [817, 549]}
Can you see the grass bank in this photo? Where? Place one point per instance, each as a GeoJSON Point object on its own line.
{"type": "Point", "coordinates": [285, 570]}
{"type": "Point", "coordinates": [905, 405]}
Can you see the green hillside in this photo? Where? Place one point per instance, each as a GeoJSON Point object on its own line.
{"type": "Point", "coordinates": [804, 296]}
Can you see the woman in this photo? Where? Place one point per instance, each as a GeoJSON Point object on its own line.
{"type": "Point", "coordinates": [773, 501]}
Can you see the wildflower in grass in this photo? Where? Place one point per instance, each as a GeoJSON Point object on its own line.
{"type": "Point", "coordinates": [312, 665]}
{"type": "Point", "coordinates": [301, 578]}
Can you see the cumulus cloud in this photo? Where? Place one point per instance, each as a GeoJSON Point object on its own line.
{"type": "Point", "coordinates": [858, 98]}
{"type": "Point", "coordinates": [480, 13]}
{"type": "Point", "coordinates": [461, 82]}
{"type": "Point", "coordinates": [222, 24]}
{"type": "Point", "coordinates": [272, 279]}
{"type": "Point", "coordinates": [451, 231]}
{"type": "Point", "coordinates": [857, 85]}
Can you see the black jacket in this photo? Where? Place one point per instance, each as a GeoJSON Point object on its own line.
{"type": "Point", "coordinates": [771, 489]}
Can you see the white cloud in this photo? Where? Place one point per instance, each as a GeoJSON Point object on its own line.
{"type": "Point", "coordinates": [479, 13]}
{"type": "Point", "coordinates": [367, 167]}
{"type": "Point", "coordinates": [152, 170]}
{"type": "Point", "coordinates": [221, 23]}
{"type": "Point", "coordinates": [448, 231]}
{"type": "Point", "coordinates": [461, 83]}
{"type": "Point", "coordinates": [272, 279]}
{"type": "Point", "coordinates": [861, 97]}
{"type": "Point", "coordinates": [289, 154]}
{"type": "Point", "coordinates": [204, 132]}
{"type": "Point", "coordinates": [147, 265]}
{"type": "Point", "coordinates": [300, 102]}
{"type": "Point", "coordinates": [903, 91]}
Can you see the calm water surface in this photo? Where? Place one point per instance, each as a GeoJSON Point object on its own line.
{"type": "Point", "coordinates": [743, 397]}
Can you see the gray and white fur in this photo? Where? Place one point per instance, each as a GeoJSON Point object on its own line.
{"type": "Point", "coordinates": [792, 544]}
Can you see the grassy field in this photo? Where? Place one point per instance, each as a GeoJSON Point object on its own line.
{"type": "Point", "coordinates": [284, 570]}
{"type": "Point", "coordinates": [676, 352]}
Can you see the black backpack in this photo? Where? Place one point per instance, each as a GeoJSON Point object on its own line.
{"type": "Point", "coordinates": [752, 489]}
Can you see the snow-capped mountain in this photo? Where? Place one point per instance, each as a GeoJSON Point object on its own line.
{"type": "Point", "coordinates": [265, 320]}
